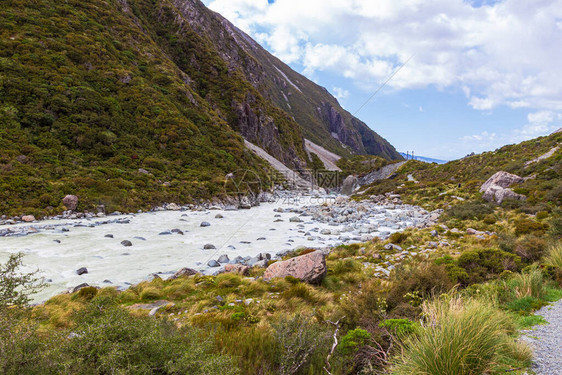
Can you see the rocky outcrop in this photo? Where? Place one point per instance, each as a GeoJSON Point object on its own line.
{"type": "Point", "coordinates": [71, 202]}
{"type": "Point", "coordinates": [310, 268]}
{"type": "Point", "coordinates": [349, 185]}
{"type": "Point", "coordinates": [496, 188]}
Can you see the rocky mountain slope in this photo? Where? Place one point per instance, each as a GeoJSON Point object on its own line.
{"type": "Point", "coordinates": [131, 103]}
{"type": "Point", "coordinates": [318, 113]}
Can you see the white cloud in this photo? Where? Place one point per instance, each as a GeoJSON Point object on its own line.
{"type": "Point", "coordinates": [340, 93]}
{"type": "Point", "coordinates": [499, 54]}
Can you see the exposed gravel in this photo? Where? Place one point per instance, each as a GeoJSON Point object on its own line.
{"type": "Point", "coordinates": [546, 341]}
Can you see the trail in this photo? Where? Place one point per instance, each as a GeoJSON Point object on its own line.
{"type": "Point", "coordinates": [546, 341]}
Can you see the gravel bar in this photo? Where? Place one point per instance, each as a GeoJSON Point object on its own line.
{"type": "Point", "coordinates": [546, 341]}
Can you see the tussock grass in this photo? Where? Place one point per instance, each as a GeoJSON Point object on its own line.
{"type": "Point", "coordinates": [554, 255]}
{"type": "Point", "coordinates": [528, 284]}
{"type": "Point", "coordinates": [461, 337]}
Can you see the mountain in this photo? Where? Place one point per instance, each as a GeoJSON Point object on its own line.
{"type": "Point", "coordinates": [319, 114]}
{"type": "Point", "coordinates": [131, 103]}
{"type": "Point", "coordinates": [422, 158]}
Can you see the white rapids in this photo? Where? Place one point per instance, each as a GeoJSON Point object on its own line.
{"type": "Point", "coordinates": [57, 254]}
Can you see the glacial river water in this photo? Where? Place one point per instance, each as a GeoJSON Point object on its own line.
{"type": "Point", "coordinates": [59, 251]}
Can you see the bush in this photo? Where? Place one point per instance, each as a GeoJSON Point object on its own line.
{"type": "Point", "coordinates": [425, 280]}
{"type": "Point", "coordinates": [530, 248]}
{"type": "Point", "coordinates": [398, 237]}
{"type": "Point", "coordinates": [485, 264]}
{"type": "Point", "coordinates": [460, 337]}
{"type": "Point", "coordinates": [16, 287]}
{"type": "Point", "coordinates": [526, 226]}
{"type": "Point", "coordinates": [401, 327]}
{"type": "Point", "coordinates": [352, 340]}
{"type": "Point", "coordinates": [469, 211]}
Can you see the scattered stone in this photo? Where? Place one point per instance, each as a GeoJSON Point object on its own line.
{"type": "Point", "coordinates": [78, 287]}
{"type": "Point", "coordinates": [205, 224]}
{"type": "Point", "coordinates": [237, 268]}
{"type": "Point", "coordinates": [209, 246]}
{"type": "Point", "coordinates": [183, 272]}
{"type": "Point", "coordinates": [108, 236]}
{"type": "Point", "coordinates": [176, 230]}
{"type": "Point", "coordinates": [165, 233]}
{"type": "Point", "coordinates": [295, 219]}
{"type": "Point", "coordinates": [310, 268]}
{"type": "Point", "coordinates": [28, 218]}
{"type": "Point", "coordinates": [81, 271]}
{"type": "Point", "coordinates": [213, 263]}
{"type": "Point", "coordinates": [223, 259]}
{"type": "Point", "coordinates": [173, 207]}
{"type": "Point", "coordinates": [219, 216]}
{"type": "Point", "coordinates": [434, 233]}
{"type": "Point", "coordinates": [139, 238]}
{"type": "Point", "coordinates": [126, 243]}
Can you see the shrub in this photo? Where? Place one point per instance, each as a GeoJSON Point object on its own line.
{"type": "Point", "coordinates": [426, 279]}
{"type": "Point", "coordinates": [530, 247]}
{"type": "Point", "coordinates": [469, 210]}
{"type": "Point", "coordinates": [352, 340]}
{"type": "Point", "coordinates": [401, 327]}
{"type": "Point", "coordinates": [150, 293]}
{"type": "Point", "coordinates": [485, 264]}
{"type": "Point", "coordinates": [526, 226]}
{"type": "Point", "coordinates": [398, 237]}
{"type": "Point", "coordinates": [459, 337]}
{"type": "Point", "coordinates": [297, 340]}
{"type": "Point", "coordinates": [555, 224]}
{"type": "Point", "coordinates": [16, 287]}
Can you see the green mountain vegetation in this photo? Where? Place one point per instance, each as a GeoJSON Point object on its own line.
{"type": "Point", "coordinates": [453, 304]}
{"type": "Point", "coordinates": [91, 92]}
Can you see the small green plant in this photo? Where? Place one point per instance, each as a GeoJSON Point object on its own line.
{"type": "Point", "coordinates": [352, 340]}
{"type": "Point", "coordinates": [401, 327]}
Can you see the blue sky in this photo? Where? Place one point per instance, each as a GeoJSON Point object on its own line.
{"type": "Point", "coordinates": [482, 73]}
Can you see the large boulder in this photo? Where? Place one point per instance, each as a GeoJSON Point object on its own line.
{"type": "Point", "coordinates": [498, 194]}
{"type": "Point", "coordinates": [349, 185]}
{"type": "Point", "coordinates": [496, 188]}
{"type": "Point", "coordinates": [70, 201]}
{"type": "Point", "coordinates": [237, 268]}
{"type": "Point", "coordinates": [502, 179]}
{"type": "Point", "coordinates": [310, 268]}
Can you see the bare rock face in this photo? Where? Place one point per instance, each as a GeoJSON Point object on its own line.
{"type": "Point", "coordinates": [28, 218]}
{"type": "Point", "coordinates": [310, 268]}
{"type": "Point", "coordinates": [496, 188]}
{"type": "Point", "coordinates": [502, 179]}
{"type": "Point", "coordinates": [70, 201]}
{"type": "Point", "coordinates": [349, 185]}
{"type": "Point", "coordinates": [237, 268]}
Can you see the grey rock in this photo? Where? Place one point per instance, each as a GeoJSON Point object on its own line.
{"type": "Point", "coordinates": [205, 224]}
{"type": "Point", "coordinates": [223, 259]}
{"type": "Point", "coordinates": [209, 246]}
{"type": "Point", "coordinates": [81, 271]}
{"type": "Point", "coordinates": [213, 263]}
{"type": "Point", "coordinates": [126, 243]}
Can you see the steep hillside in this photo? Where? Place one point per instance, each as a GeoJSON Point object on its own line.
{"type": "Point", "coordinates": [319, 114]}
{"type": "Point", "coordinates": [87, 98]}
{"type": "Point", "coordinates": [539, 161]}
{"type": "Point", "coordinates": [93, 92]}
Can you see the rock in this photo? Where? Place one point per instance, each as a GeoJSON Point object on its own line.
{"type": "Point", "coordinates": [126, 243]}
{"type": "Point", "coordinates": [248, 301]}
{"type": "Point", "coordinates": [223, 259]}
{"type": "Point", "coordinates": [173, 207]}
{"type": "Point", "coordinates": [176, 230]}
{"type": "Point", "coordinates": [78, 287]}
{"type": "Point", "coordinates": [109, 236]}
{"type": "Point", "coordinates": [28, 218]}
{"type": "Point", "coordinates": [349, 185]}
{"type": "Point", "coordinates": [295, 219]}
{"type": "Point", "coordinates": [219, 216]}
{"type": "Point", "coordinates": [209, 246]}
{"type": "Point", "coordinates": [139, 238]}
{"type": "Point", "coordinates": [434, 233]}
{"type": "Point", "coordinates": [183, 272]}
{"type": "Point", "coordinates": [213, 263]}
{"type": "Point", "coordinates": [498, 194]}
{"type": "Point", "coordinates": [325, 232]}
{"type": "Point", "coordinates": [252, 261]}
{"type": "Point", "coordinates": [261, 263]}
{"type": "Point", "coordinates": [471, 231]}
{"type": "Point", "coordinates": [310, 268]}
{"type": "Point", "coordinates": [70, 201]}
{"type": "Point", "coordinates": [205, 224]}
{"type": "Point", "coordinates": [502, 179]}
{"type": "Point", "coordinates": [81, 271]}
{"type": "Point", "coordinates": [143, 171]}
{"type": "Point", "coordinates": [237, 268]}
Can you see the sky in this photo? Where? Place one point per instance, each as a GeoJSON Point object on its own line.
{"type": "Point", "coordinates": [470, 76]}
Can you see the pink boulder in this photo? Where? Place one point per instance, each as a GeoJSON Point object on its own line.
{"type": "Point", "coordinates": [70, 201]}
{"type": "Point", "coordinates": [310, 268]}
